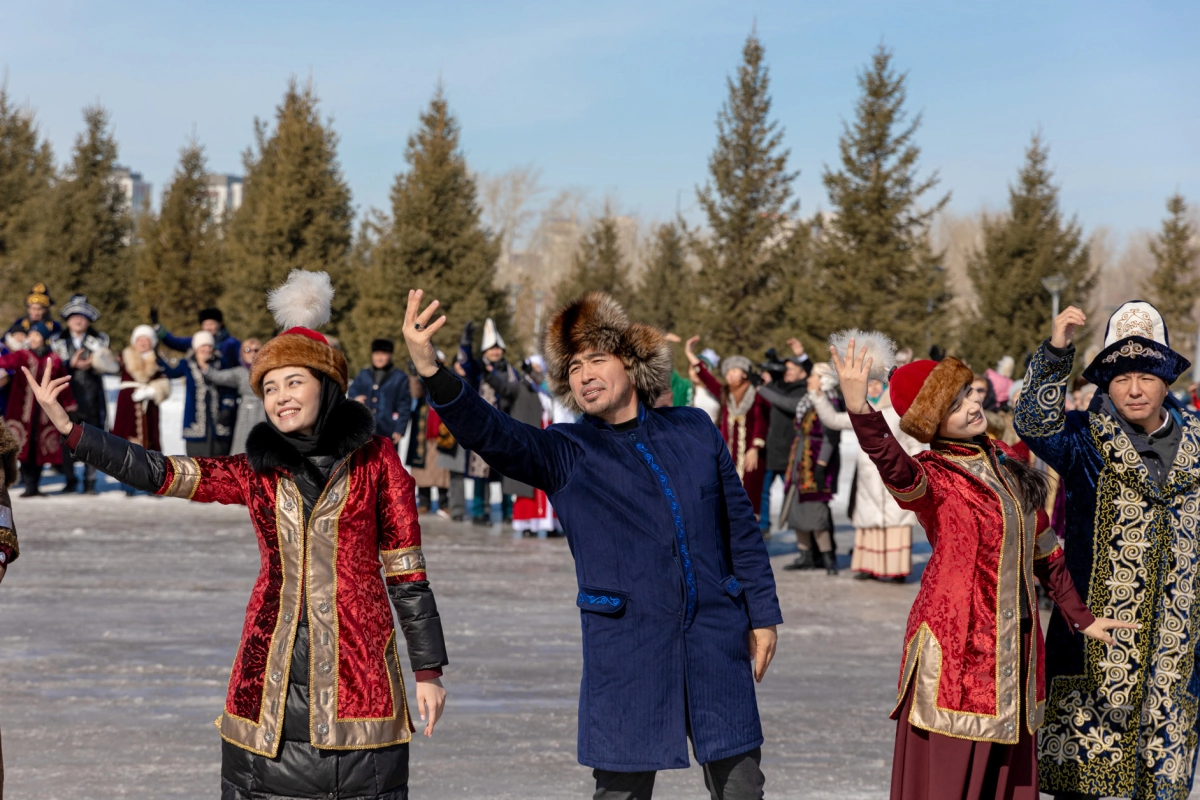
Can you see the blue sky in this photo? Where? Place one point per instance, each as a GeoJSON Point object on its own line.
{"type": "Point", "coordinates": [620, 98]}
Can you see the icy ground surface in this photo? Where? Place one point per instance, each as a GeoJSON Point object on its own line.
{"type": "Point", "coordinates": [120, 620]}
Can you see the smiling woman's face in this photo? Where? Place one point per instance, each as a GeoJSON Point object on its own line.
{"type": "Point", "coordinates": [965, 419]}
{"type": "Point", "coordinates": [292, 399]}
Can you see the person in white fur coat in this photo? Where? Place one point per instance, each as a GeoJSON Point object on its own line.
{"type": "Point", "coordinates": [882, 530]}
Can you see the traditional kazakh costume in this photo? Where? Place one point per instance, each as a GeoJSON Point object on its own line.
{"type": "Point", "coordinates": [1121, 720]}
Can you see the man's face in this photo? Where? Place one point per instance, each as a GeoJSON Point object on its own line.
{"type": "Point", "coordinates": [493, 354]}
{"type": "Point", "coordinates": [599, 383]}
{"type": "Point", "coordinates": [211, 325]}
{"type": "Point", "coordinates": [35, 311]}
{"type": "Point", "coordinates": [77, 324]}
{"type": "Point", "coordinates": [979, 389]}
{"type": "Point", "coordinates": [1138, 397]}
{"type": "Point", "coordinates": [380, 359]}
{"type": "Point", "coordinates": [793, 372]}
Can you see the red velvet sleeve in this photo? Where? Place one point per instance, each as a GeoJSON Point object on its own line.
{"type": "Point", "coordinates": [901, 473]}
{"type": "Point", "coordinates": [1050, 568]}
{"type": "Point", "coordinates": [762, 421]}
{"type": "Point", "coordinates": [399, 528]}
{"type": "Point", "coordinates": [710, 382]}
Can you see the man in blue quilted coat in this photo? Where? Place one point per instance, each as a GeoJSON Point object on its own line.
{"type": "Point", "coordinates": [676, 594]}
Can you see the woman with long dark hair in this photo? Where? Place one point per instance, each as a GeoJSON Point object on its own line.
{"type": "Point", "coordinates": [971, 693]}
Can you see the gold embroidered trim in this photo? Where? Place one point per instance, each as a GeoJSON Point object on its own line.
{"type": "Point", "coordinates": [914, 493]}
{"type": "Point", "coordinates": [186, 478]}
{"type": "Point", "coordinates": [402, 562]}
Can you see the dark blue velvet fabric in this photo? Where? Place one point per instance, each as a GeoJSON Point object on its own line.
{"type": "Point", "coordinates": [1121, 719]}
{"type": "Point", "coordinates": [391, 403]}
{"type": "Point", "coordinates": [657, 520]}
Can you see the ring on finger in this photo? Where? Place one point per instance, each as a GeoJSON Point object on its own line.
{"type": "Point", "coordinates": [418, 326]}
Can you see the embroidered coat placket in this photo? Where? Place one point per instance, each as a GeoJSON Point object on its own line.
{"type": "Point", "coordinates": [1121, 720]}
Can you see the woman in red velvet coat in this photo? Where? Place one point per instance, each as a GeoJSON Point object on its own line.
{"type": "Point", "coordinates": [144, 387]}
{"type": "Point", "coordinates": [744, 420]}
{"type": "Point", "coordinates": [971, 693]}
{"type": "Point", "coordinates": [316, 705]}
{"type": "Point", "coordinates": [40, 443]}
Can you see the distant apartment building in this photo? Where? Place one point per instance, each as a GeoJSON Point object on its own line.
{"type": "Point", "coordinates": [135, 190]}
{"type": "Point", "coordinates": [226, 193]}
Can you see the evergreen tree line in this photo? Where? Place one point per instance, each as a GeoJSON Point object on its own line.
{"type": "Point", "coordinates": [756, 272]}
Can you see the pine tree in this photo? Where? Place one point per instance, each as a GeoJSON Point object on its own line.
{"type": "Point", "coordinates": [87, 229]}
{"type": "Point", "coordinates": [665, 291]}
{"type": "Point", "coordinates": [880, 271]}
{"type": "Point", "coordinates": [179, 260]}
{"type": "Point", "coordinates": [295, 214]}
{"type": "Point", "coordinates": [1174, 286]}
{"type": "Point", "coordinates": [750, 213]}
{"type": "Point", "coordinates": [434, 241]}
{"type": "Point", "coordinates": [598, 266]}
{"type": "Point", "coordinates": [1020, 248]}
{"type": "Point", "coordinates": [26, 175]}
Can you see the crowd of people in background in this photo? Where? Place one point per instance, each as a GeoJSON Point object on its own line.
{"type": "Point", "coordinates": [782, 418]}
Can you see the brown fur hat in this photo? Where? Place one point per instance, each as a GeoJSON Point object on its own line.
{"type": "Point", "coordinates": [923, 392]}
{"type": "Point", "coordinates": [9, 447]}
{"type": "Point", "coordinates": [597, 322]}
{"type": "Point", "coordinates": [299, 347]}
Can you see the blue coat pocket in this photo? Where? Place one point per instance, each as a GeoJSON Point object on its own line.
{"type": "Point", "coordinates": [731, 586]}
{"type": "Point", "coordinates": [601, 600]}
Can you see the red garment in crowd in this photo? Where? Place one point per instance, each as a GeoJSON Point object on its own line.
{"type": "Point", "coordinates": [742, 432]}
{"type": "Point", "coordinates": [24, 416]}
{"type": "Point", "coordinates": [930, 766]}
{"type": "Point", "coordinates": [366, 519]}
{"type": "Point", "coordinates": [138, 421]}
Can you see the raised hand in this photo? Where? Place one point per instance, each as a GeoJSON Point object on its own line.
{"type": "Point", "coordinates": [1063, 331]}
{"type": "Point", "coordinates": [853, 374]}
{"type": "Point", "coordinates": [688, 350]}
{"type": "Point", "coordinates": [419, 331]}
{"type": "Point", "coordinates": [797, 347]}
{"type": "Point", "coordinates": [47, 392]}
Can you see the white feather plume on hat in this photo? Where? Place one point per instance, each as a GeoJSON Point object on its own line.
{"type": "Point", "coordinates": [303, 301]}
{"type": "Point", "coordinates": [880, 349]}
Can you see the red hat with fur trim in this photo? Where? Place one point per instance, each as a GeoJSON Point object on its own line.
{"type": "Point", "coordinates": [924, 391]}
{"type": "Point", "coordinates": [596, 322]}
{"type": "Point", "coordinates": [301, 305]}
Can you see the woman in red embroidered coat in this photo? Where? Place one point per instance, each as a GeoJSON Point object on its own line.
{"type": "Point", "coordinates": [745, 417]}
{"type": "Point", "coordinates": [971, 693]}
{"type": "Point", "coordinates": [316, 705]}
{"type": "Point", "coordinates": [40, 443]}
{"type": "Point", "coordinates": [143, 389]}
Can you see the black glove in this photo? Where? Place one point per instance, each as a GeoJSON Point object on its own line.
{"type": "Point", "coordinates": [468, 334]}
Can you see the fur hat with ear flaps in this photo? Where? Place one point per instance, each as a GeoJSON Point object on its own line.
{"type": "Point", "coordinates": [922, 393]}
{"type": "Point", "coordinates": [597, 323]}
{"type": "Point", "coordinates": [300, 305]}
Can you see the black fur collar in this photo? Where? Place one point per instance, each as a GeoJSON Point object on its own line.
{"type": "Point", "coordinates": [348, 429]}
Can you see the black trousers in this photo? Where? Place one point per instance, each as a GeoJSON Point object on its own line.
{"type": "Point", "coordinates": [735, 778]}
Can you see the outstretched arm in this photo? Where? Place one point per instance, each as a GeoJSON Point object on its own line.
{"type": "Point", "coordinates": [205, 480]}
{"type": "Point", "coordinates": [901, 473]}
{"type": "Point", "coordinates": [541, 458]}
{"type": "Point", "coordinates": [1040, 417]}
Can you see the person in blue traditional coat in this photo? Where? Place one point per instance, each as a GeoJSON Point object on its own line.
{"type": "Point", "coordinates": [675, 590]}
{"type": "Point", "coordinates": [1121, 719]}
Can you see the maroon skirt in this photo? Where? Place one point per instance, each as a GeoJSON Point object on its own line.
{"type": "Point", "coordinates": [931, 766]}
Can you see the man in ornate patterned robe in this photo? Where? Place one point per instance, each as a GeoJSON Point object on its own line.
{"type": "Point", "coordinates": [1121, 719]}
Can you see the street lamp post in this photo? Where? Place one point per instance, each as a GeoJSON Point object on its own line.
{"type": "Point", "coordinates": [1055, 285]}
